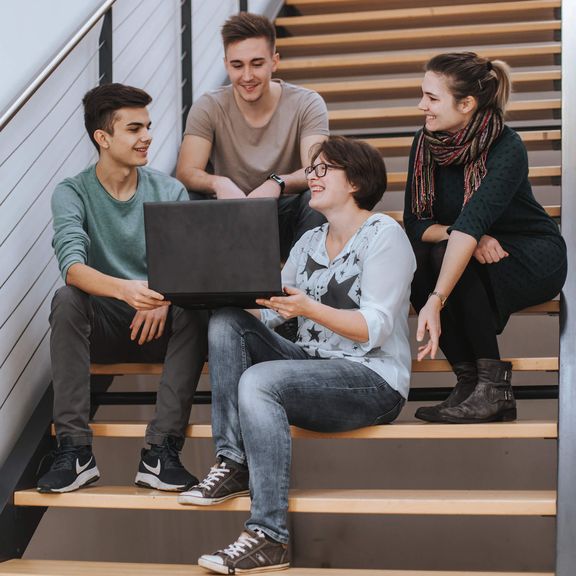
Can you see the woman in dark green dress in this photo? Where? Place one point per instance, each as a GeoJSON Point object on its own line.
{"type": "Point", "coordinates": [484, 246]}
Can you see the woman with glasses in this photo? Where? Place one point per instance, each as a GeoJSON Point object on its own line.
{"type": "Point", "coordinates": [348, 283]}
{"type": "Point", "coordinates": [484, 246]}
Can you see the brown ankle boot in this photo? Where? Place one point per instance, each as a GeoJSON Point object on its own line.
{"type": "Point", "coordinates": [466, 380]}
{"type": "Point", "coordinates": [491, 401]}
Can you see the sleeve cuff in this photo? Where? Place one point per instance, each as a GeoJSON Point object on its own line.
{"type": "Point", "coordinates": [374, 323]}
{"type": "Point", "coordinates": [270, 318]}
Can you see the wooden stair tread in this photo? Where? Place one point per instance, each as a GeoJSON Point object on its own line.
{"type": "Point", "coordinates": [553, 211]}
{"type": "Point", "coordinates": [403, 143]}
{"type": "Point", "coordinates": [371, 115]}
{"type": "Point", "coordinates": [20, 567]}
{"type": "Point", "coordinates": [408, 59]}
{"type": "Point", "coordinates": [428, 36]}
{"type": "Point", "coordinates": [397, 180]}
{"type": "Point", "coordinates": [549, 364]}
{"type": "Point", "coordinates": [318, 22]}
{"type": "Point", "coordinates": [437, 502]}
{"type": "Point", "coordinates": [399, 430]}
{"type": "Point", "coordinates": [411, 86]}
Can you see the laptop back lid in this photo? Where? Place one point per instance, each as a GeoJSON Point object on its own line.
{"type": "Point", "coordinates": [211, 253]}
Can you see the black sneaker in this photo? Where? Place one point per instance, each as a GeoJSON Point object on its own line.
{"type": "Point", "coordinates": [225, 480]}
{"type": "Point", "coordinates": [252, 552]}
{"type": "Point", "coordinates": [160, 467]}
{"type": "Point", "coordinates": [72, 467]}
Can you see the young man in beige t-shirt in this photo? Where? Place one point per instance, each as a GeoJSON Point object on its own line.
{"type": "Point", "coordinates": [256, 133]}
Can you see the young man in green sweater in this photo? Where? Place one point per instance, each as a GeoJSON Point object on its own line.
{"type": "Point", "coordinates": [106, 313]}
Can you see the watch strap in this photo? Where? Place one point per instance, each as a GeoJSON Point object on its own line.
{"type": "Point", "coordinates": [278, 181]}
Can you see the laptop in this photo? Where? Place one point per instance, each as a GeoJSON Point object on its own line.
{"type": "Point", "coordinates": [213, 253]}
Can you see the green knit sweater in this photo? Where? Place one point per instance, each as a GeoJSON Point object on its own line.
{"type": "Point", "coordinates": [91, 227]}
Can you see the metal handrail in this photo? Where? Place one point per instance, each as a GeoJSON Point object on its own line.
{"type": "Point", "coordinates": [16, 106]}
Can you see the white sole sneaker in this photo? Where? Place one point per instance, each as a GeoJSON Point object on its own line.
{"type": "Point", "coordinates": [206, 562]}
{"type": "Point", "coordinates": [193, 498]}
{"type": "Point", "coordinates": [83, 479]}
{"type": "Point", "coordinates": [151, 481]}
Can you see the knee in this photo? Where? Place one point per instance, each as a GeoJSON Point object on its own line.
{"type": "Point", "coordinates": [68, 301]}
{"type": "Point", "coordinates": [225, 321]}
{"type": "Point", "coordinates": [256, 388]}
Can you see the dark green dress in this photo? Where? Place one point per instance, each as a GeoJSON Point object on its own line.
{"type": "Point", "coordinates": [505, 208]}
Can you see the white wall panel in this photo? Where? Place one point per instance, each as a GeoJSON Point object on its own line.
{"type": "Point", "coordinates": [25, 328]}
{"type": "Point", "coordinates": [21, 280]}
{"type": "Point", "coordinates": [207, 53]}
{"type": "Point", "coordinates": [32, 32]}
{"type": "Point", "coordinates": [128, 22]}
{"type": "Point", "coordinates": [146, 48]}
{"type": "Point", "coordinates": [43, 143]}
{"type": "Point", "coordinates": [269, 8]}
{"type": "Point", "coordinates": [26, 394]}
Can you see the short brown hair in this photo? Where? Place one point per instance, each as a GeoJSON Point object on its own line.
{"type": "Point", "coordinates": [471, 75]}
{"type": "Point", "coordinates": [247, 25]}
{"type": "Point", "coordinates": [362, 164]}
{"type": "Point", "coordinates": [102, 102]}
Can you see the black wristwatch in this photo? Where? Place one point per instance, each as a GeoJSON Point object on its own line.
{"type": "Point", "coordinates": [278, 181]}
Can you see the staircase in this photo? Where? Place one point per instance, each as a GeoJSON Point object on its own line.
{"type": "Point", "coordinates": [365, 58]}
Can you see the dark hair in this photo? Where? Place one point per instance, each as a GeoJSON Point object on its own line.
{"type": "Point", "coordinates": [247, 25]}
{"type": "Point", "coordinates": [101, 103]}
{"type": "Point", "coordinates": [362, 164]}
{"type": "Point", "coordinates": [470, 75]}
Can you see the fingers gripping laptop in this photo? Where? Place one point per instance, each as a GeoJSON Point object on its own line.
{"type": "Point", "coordinates": [207, 254]}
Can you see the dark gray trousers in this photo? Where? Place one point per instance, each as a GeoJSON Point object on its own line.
{"type": "Point", "coordinates": [93, 329]}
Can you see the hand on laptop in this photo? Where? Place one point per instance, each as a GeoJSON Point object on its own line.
{"type": "Point", "coordinates": [137, 294]}
{"type": "Point", "coordinates": [150, 324]}
{"type": "Point", "coordinates": [295, 303]}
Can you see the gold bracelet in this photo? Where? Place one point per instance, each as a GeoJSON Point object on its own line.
{"type": "Point", "coordinates": [440, 295]}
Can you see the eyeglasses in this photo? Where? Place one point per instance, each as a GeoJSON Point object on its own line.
{"type": "Point", "coordinates": [320, 169]}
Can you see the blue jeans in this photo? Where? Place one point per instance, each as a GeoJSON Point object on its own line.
{"type": "Point", "coordinates": [263, 383]}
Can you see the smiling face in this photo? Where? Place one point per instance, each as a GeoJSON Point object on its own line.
{"type": "Point", "coordinates": [330, 191]}
{"type": "Point", "coordinates": [443, 112]}
{"type": "Point", "coordinates": [128, 143]}
{"type": "Point", "coordinates": [250, 64]}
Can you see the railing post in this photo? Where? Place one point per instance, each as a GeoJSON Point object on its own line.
{"type": "Point", "coordinates": [186, 58]}
{"type": "Point", "coordinates": [243, 5]}
{"type": "Point", "coordinates": [566, 500]}
{"type": "Point", "coordinates": [105, 57]}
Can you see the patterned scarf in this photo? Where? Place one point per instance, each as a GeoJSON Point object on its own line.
{"type": "Point", "coordinates": [468, 146]}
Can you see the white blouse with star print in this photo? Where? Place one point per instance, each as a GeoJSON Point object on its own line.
{"type": "Point", "coordinates": [372, 274]}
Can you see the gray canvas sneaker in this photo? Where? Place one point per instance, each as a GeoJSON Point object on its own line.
{"type": "Point", "coordinates": [251, 553]}
{"type": "Point", "coordinates": [224, 481]}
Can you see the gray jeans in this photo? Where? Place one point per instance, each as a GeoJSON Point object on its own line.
{"type": "Point", "coordinates": [93, 329]}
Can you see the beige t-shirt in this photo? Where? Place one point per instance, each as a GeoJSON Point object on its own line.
{"type": "Point", "coordinates": [248, 155]}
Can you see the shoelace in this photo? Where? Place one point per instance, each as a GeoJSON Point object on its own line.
{"type": "Point", "coordinates": [215, 474]}
{"type": "Point", "coordinates": [244, 542]}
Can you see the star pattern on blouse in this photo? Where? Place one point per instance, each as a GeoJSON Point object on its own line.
{"type": "Point", "coordinates": [314, 334]}
{"type": "Point", "coordinates": [337, 296]}
{"type": "Point", "coordinates": [312, 266]}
